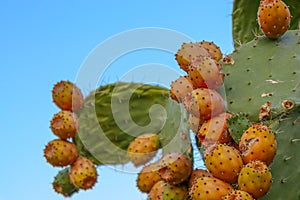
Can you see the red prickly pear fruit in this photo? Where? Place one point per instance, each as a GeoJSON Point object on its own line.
{"type": "Point", "coordinates": [67, 96]}
{"type": "Point", "coordinates": [83, 173]}
{"type": "Point", "coordinates": [204, 103]}
{"type": "Point", "coordinates": [238, 195]}
{"type": "Point", "coordinates": [60, 153]}
{"type": "Point", "coordinates": [188, 53]}
{"type": "Point", "coordinates": [204, 73]}
{"type": "Point", "coordinates": [64, 124]}
{"type": "Point", "coordinates": [223, 162]}
{"type": "Point", "coordinates": [165, 191]}
{"type": "Point", "coordinates": [180, 88]}
{"type": "Point", "coordinates": [273, 17]}
{"type": "Point", "coordinates": [255, 178]}
{"type": "Point", "coordinates": [198, 173]}
{"type": "Point", "coordinates": [258, 142]}
{"type": "Point", "coordinates": [195, 123]}
{"type": "Point", "coordinates": [175, 168]}
{"type": "Point", "coordinates": [147, 177]}
{"type": "Point", "coordinates": [209, 188]}
{"type": "Point", "coordinates": [213, 49]}
{"type": "Point", "coordinates": [143, 148]}
{"type": "Point", "coordinates": [215, 130]}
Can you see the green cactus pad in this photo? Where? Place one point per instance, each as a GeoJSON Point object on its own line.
{"type": "Point", "coordinates": [63, 185]}
{"type": "Point", "coordinates": [114, 114]}
{"type": "Point", "coordinates": [285, 167]}
{"type": "Point", "coordinates": [264, 71]}
{"type": "Point", "coordinates": [244, 15]}
{"type": "Point", "coordinates": [237, 124]}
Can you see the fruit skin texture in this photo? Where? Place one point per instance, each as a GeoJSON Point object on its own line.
{"type": "Point", "coordinates": [198, 173]}
{"type": "Point", "coordinates": [83, 173]}
{"type": "Point", "coordinates": [238, 195]}
{"type": "Point", "coordinates": [209, 188]}
{"type": "Point", "coordinates": [180, 88]}
{"type": "Point", "coordinates": [204, 103]}
{"type": "Point", "coordinates": [223, 162]}
{"type": "Point", "coordinates": [188, 53]}
{"type": "Point", "coordinates": [175, 168]}
{"type": "Point", "coordinates": [258, 142]}
{"type": "Point", "coordinates": [147, 177]}
{"type": "Point", "coordinates": [204, 73]}
{"type": "Point", "coordinates": [165, 191]}
{"type": "Point", "coordinates": [195, 123]}
{"type": "Point", "coordinates": [67, 96]}
{"type": "Point", "coordinates": [273, 18]}
{"type": "Point", "coordinates": [60, 153]}
{"type": "Point", "coordinates": [143, 148]}
{"type": "Point", "coordinates": [255, 178]}
{"type": "Point", "coordinates": [215, 130]}
{"type": "Point", "coordinates": [64, 124]}
{"type": "Point", "coordinates": [213, 49]}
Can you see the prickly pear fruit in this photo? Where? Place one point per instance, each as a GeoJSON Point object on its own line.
{"type": "Point", "coordinates": [67, 96]}
{"type": "Point", "coordinates": [175, 168]}
{"type": "Point", "coordinates": [63, 185]}
{"type": "Point", "coordinates": [64, 124]}
{"type": "Point", "coordinates": [209, 188]}
{"type": "Point", "coordinates": [188, 53]}
{"type": "Point", "coordinates": [215, 130]}
{"type": "Point", "coordinates": [223, 162]}
{"type": "Point", "coordinates": [273, 17]}
{"type": "Point", "coordinates": [238, 195]}
{"type": "Point", "coordinates": [198, 173]}
{"type": "Point", "coordinates": [165, 191]}
{"type": "Point", "coordinates": [195, 123]}
{"type": "Point", "coordinates": [213, 49]}
{"type": "Point", "coordinates": [204, 103]}
{"type": "Point", "coordinates": [258, 142]}
{"type": "Point", "coordinates": [83, 173]}
{"type": "Point", "coordinates": [60, 153]}
{"type": "Point", "coordinates": [143, 148]}
{"type": "Point", "coordinates": [204, 73]}
{"type": "Point", "coordinates": [180, 87]}
{"type": "Point", "coordinates": [147, 177]}
{"type": "Point", "coordinates": [255, 178]}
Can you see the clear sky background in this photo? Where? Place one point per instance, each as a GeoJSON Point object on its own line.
{"type": "Point", "coordinates": [43, 42]}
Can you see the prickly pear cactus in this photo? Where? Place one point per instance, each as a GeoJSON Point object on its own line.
{"type": "Point", "coordinates": [265, 75]}
{"type": "Point", "coordinates": [113, 115]}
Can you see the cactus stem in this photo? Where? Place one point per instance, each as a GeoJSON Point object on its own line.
{"type": "Point", "coordinates": [296, 121]}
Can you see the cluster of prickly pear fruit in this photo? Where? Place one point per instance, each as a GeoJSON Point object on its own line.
{"type": "Point", "coordinates": [167, 178]}
{"type": "Point", "coordinates": [62, 152]}
{"type": "Point", "coordinates": [225, 158]}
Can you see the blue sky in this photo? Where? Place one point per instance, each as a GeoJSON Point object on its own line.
{"type": "Point", "coordinates": [42, 42]}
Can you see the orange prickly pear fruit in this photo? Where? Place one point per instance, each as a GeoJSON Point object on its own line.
{"type": "Point", "coordinates": [60, 153]}
{"type": "Point", "coordinates": [147, 177]}
{"type": "Point", "coordinates": [188, 53]}
{"type": "Point", "coordinates": [180, 88]}
{"type": "Point", "coordinates": [209, 188]}
{"type": "Point", "coordinates": [83, 173]}
{"type": "Point", "coordinates": [258, 142]}
{"type": "Point", "coordinates": [215, 130]}
{"type": "Point", "coordinates": [143, 148]}
{"type": "Point", "coordinates": [195, 123]}
{"type": "Point", "coordinates": [238, 195]}
{"type": "Point", "coordinates": [67, 96]}
{"type": "Point", "coordinates": [273, 17]}
{"type": "Point", "coordinates": [213, 49]}
{"type": "Point", "coordinates": [204, 73]}
{"type": "Point", "coordinates": [255, 178]}
{"type": "Point", "coordinates": [198, 173]}
{"type": "Point", "coordinates": [223, 162]}
{"type": "Point", "coordinates": [64, 124]}
{"type": "Point", "coordinates": [204, 103]}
